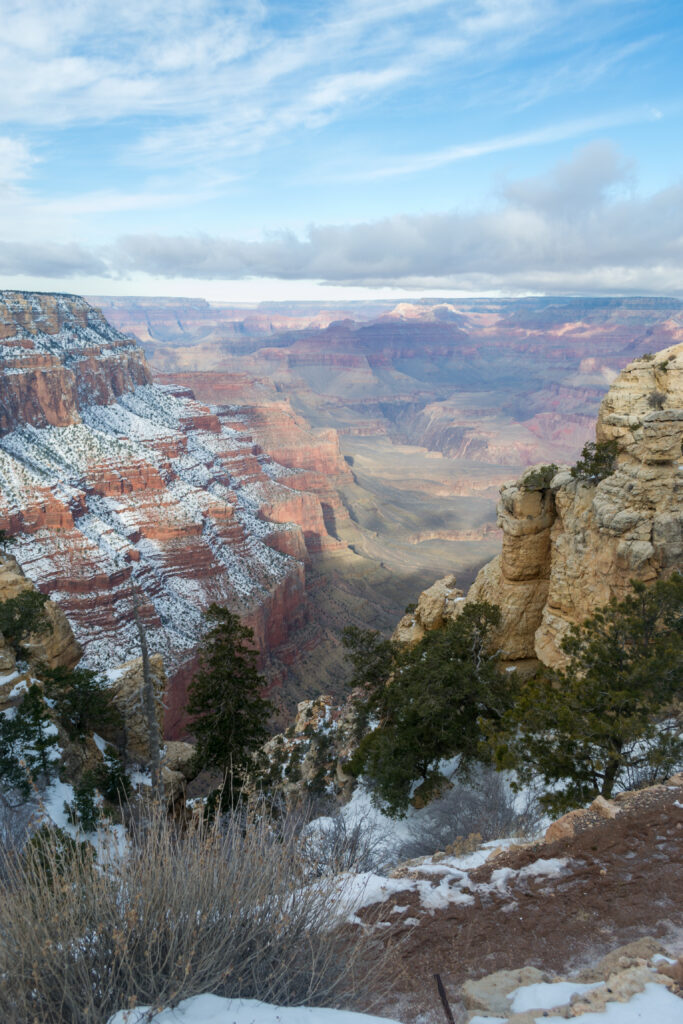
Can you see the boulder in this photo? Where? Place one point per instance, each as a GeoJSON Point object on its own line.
{"type": "Point", "coordinates": [435, 606]}
{"type": "Point", "coordinates": [490, 994]}
{"type": "Point", "coordinates": [179, 757]}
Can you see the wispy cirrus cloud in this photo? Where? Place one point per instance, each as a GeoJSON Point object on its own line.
{"type": "Point", "coordinates": [556, 132]}
{"type": "Point", "coordinates": [212, 79]}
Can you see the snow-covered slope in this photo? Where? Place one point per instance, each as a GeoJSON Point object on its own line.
{"type": "Point", "coordinates": [113, 486]}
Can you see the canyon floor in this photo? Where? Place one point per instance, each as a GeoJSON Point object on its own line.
{"type": "Point", "coordinates": [432, 404]}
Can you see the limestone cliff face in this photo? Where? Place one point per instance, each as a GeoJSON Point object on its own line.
{"type": "Point", "coordinates": [571, 545]}
{"type": "Point", "coordinates": [59, 354]}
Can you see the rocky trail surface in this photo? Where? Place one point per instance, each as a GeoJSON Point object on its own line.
{"type": "Point", "coordinates": [601, 878]}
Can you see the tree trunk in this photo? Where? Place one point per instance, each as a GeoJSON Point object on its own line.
{"type": "Point", "coordinates": [149, 701]}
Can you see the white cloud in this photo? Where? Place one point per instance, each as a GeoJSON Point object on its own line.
{"type": "Point", "coordinates": [580, 228]}
{"type": "Point", "coordinates": [225, 78]}
{"type": "Point", "coordinates": [16, 161]}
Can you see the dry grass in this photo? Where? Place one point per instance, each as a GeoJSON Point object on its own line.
{"type": "Point", "coordinates": [227, 909]}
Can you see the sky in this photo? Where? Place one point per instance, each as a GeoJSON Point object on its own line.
{"type": "Point", "coordinates": [271, 149]}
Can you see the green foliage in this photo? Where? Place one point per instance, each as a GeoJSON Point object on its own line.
{"type": "Point", "coordinates": [230, 715]}
{"type": "Point", "coordinates": [373, 658]}
{"type": "Point", "coordinates": [648, 356]}
{"type": "Point", "coordinates": [410, 608]}
{"type": "Point", "coordinates": [293, 769]}
{"type": "Point", "coordinates": [111, 777]}
{"type": "Point", "coordinates": [84, 810]}
{"type": "Point", "coordinates": [610, 718]}
{"type": "Point", "coordinates": [539, 478]}
{"type": "Point", "coordinates": [22, 616]}
{"type": "Point", "coordinates": [597, 461]}
{"type": "Point", "coordinates": [81, 699]}
{"type": "Point", "coordinates": [430, 706]}
{"type": "Point", "coordinates": [26, 743]}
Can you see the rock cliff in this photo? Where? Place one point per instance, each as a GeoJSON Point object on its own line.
{"type": "Point", "coordinates": [58, 355]}
{"type": "Point", "coordinates": [569, 545]}
{"type": "Point", "coordinates": [113, 486]}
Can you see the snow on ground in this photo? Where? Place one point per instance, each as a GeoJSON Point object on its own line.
{"type": "Point", "coordinates": [546, 995]}
{"type": "Point", "coordinates": [654, 1005]}
{"type": "Point", "coordinates": [216, 1010]}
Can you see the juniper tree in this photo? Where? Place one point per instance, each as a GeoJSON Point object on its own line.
{"type": "Point", "coordinates": [230, 715]}
{"type": "Point", "coordinates": [430, 707]}
{"type": "Point", "coordinates": [82, 701]}
{"type": "Point", "coordinates": [20, 617]}
{"type": "Point", "coordinates": [612, 716]}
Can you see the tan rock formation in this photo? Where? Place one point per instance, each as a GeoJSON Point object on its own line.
{"type": "Point", "coordinates": [434, 607]}
{"type": "Point", "coordinates": [569, 546]}
{"type": "Point", "coordinates": [127, 693]}
{"type": "Point", "coordinates": [57, 646]}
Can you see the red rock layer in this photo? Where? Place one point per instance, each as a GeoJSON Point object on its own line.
{"type": "Point", "coordinates": [57, 354]}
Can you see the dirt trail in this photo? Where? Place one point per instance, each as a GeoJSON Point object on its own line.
{"type": "Point", "coordinates": [623, 880]}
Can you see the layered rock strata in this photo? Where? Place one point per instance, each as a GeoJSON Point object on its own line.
{"type": "Point", "coordinates": [569, 545]}
{"type": "Point", "coordinates": [59, 355]}
{"type": "Point", "coordinates": [118, 490]}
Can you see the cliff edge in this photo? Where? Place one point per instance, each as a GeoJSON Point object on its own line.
{"type": "Point", "coordinates": [569, 545]}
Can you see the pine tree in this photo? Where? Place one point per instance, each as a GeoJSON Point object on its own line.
{"type": "Point", "coordinates": [27, 738]}
{"type": "Point", "coordinates": [81, 699]}
{"type": "Point", "coordinates": [611, 717]}
{"type": "Point", "coordinates": [225, 698]}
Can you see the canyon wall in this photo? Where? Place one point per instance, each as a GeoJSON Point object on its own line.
{"type": "Point", "coordinates": [58, 356]}
{"type": "Point", "coordinates": [118, 490]}
{"type": "Point", "coordinates": [569, 545]}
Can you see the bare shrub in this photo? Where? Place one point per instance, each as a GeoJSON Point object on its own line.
{"type": "Point", "coordinates": [656, 399]}
{"type": "Point", "coordinates": [222, 909]}
{"type": "Point", "coordinates": [17, 822]}
{"type": "Point", "coordinates": [485, 808]}
{"type": "Point", "coordinates": [334, 845]}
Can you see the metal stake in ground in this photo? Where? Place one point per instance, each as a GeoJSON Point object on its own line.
{"type": "Point", "coordinates": [444, 999]}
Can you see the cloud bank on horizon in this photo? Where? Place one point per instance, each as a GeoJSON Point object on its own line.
{"type": "Point", "coordinates": [469, 146]}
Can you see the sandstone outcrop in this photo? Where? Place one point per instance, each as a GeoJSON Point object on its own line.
{"type": "Point", "coordinates": [434, 607]}
{"type": "Point", "coordinates": [569, 545]}
{"type": "Point", "coordinates": [57, 646]}
{"type": "Point", "coordinates": [127, 690]}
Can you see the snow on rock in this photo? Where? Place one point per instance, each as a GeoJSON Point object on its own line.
{"type": "Point", "coordinates": [545, 995]}
{"type": "Point", "coordinates": [208, 1009]}
{"type": "Point", "coordinates": [114, 486]}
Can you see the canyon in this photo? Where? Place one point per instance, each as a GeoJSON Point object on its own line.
{"type": "Point", "coordinates": [119, 492]}
{"type": "Point", "coordinates": [436, 403]}
{"type": "Point", "coordinates": [310, 468]}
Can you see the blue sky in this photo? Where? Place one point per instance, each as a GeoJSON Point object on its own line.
{"type": "Point", "coordinates": [261, 149]}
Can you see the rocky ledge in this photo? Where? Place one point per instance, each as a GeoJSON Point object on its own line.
{"type": "Point", "coordinates": [571, 544]}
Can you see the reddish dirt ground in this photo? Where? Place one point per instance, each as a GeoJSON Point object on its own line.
{"type": "Point", "coordinates": [624, 880]}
